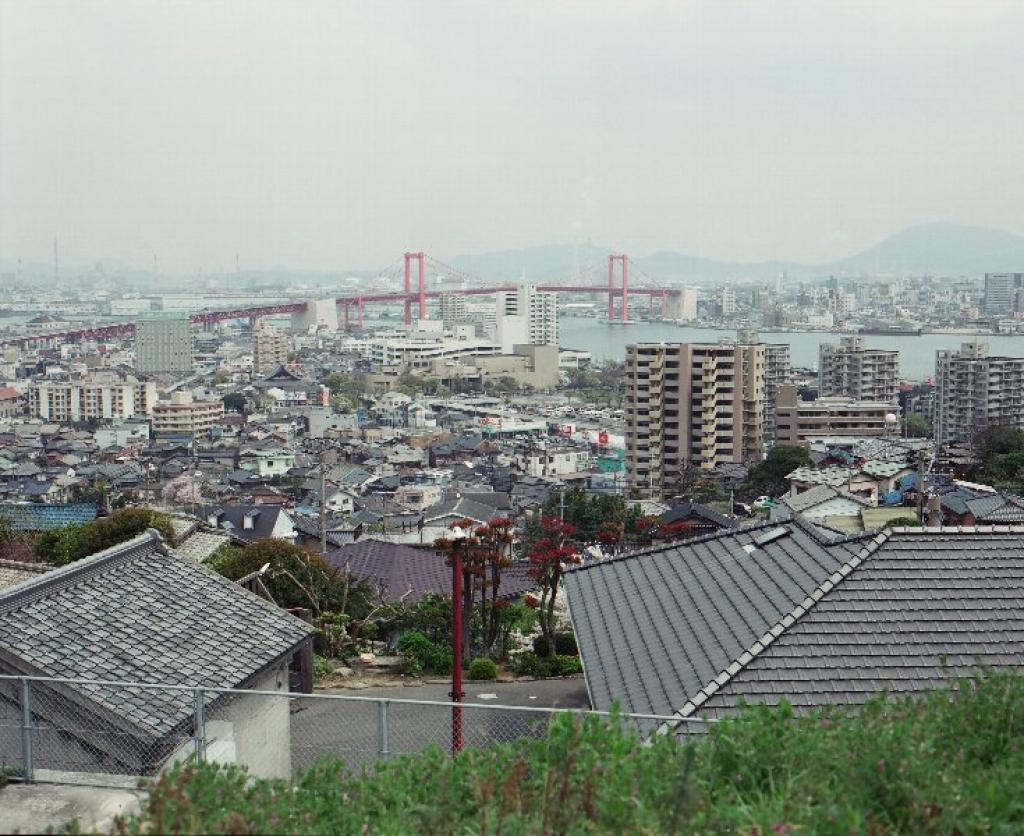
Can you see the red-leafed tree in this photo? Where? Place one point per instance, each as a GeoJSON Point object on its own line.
{"type": "Point", "coordinates": [485, 550]}
{"type": "Point", "coordinates": [550, 554]}
{"type": "Point", "coordinates": [676, 530]}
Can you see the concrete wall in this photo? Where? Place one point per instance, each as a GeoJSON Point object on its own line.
{"type": "Point", "coordinates": [253, 731]}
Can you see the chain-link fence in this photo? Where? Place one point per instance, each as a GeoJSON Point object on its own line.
{"type": "Point", "coordinates": [114, 733]}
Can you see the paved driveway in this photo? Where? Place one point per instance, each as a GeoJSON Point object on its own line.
{"type": "Point", "coordinates": [351, 728]}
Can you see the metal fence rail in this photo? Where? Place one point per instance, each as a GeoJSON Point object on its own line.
{"type": "Point", "coordinates": [106, 732]}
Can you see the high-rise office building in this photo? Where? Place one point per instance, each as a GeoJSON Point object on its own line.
{"type": "Point", "coordinates": [850, 370]}
{"type": "Point", "coordinates": [163, 345]}
{"type": "Point", "coordinates": [526, 316]}
{"type": "Point", "coordinates": [691, 405]}
{"type": "Point", "coordinates": [974, 391]}
{"type": "Point", "coordinates": [270, 349]}
{"type": "Point", "coordinates": [1003, 293]}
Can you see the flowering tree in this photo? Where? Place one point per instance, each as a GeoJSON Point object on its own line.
{"type": "Point", "coordinates": [551, 553]}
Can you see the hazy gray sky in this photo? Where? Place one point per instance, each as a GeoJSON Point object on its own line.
{"type": "Point", "coordinates": [338, 134]}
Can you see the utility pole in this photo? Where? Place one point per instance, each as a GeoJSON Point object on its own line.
{"type": "Point", "coordinates": [921, 458]}
{"type": "Point", "coordinates": [326, 457]}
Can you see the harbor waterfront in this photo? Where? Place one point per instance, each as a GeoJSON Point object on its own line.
{"type": "Point", "coordinates": [917, 352]}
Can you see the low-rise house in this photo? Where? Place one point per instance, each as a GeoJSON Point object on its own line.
{"type": "Point", "coordinates": [138, 612]}
{"type": "Point", "coordinates": [249, 523]}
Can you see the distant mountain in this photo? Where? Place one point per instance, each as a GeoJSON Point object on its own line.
{"type": "Point", "coordinates": [940, 248]}
{"type": "Point", "coordinates": [936, 248]}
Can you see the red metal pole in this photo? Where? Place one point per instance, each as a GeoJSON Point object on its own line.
{"type": "Point", "coordinates": [423, 287]}
{"type": "Point", "coordinates": [456, 693]}
{"type": "Point", "coordinates": [408, 289]}
{"type": "Point", "coordinates": [611, 287]}
{"type": "Point", "coordinates": [625, 287]}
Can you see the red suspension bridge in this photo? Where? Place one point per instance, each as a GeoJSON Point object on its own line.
{"type": "Point", "coordinates": [618, 267]}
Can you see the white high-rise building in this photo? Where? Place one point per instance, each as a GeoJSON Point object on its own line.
{"type": "Point", "coordinates": [526, 317]}
{"type": "Point", "coordinates": [728, 301]}
{"type": "Point", "coordinates": [974, 390]}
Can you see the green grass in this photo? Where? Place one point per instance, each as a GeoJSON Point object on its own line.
{"type": "Point", "coordinates": [950, 762]}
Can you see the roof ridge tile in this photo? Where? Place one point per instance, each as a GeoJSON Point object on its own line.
{"type": "Point", "coordinates": [781, 625]}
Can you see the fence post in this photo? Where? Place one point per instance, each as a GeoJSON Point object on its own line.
{"type": "Point", "coordinates": [26, 729]}
{"type": "Point", "coordinates": [199, 731]}
{"type": "Point", "coordinates": [382, 729]}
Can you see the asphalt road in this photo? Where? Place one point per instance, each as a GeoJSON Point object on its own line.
{"type": "Point", "coordinates": [351, 728]}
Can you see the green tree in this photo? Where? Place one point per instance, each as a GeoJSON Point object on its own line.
{"type": "Point", "coordinates": [769, 477]}
{"type": "Point", "coordinates": [342, 606]}
{"type": "Point", "coordinates": [235, 402]}
{"type": "Point", "coordinates": [74, 542]}
{"type": "Point", "coordinates": [916, 427]}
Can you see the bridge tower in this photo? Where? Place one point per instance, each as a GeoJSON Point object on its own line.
{"type": "Point", "coordinates": [421, 287]}
{"type": "Point", "coordinates": [623, 259]}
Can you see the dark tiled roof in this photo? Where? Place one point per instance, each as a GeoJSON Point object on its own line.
{"type": "Point", "coordinates": [140, 613]}
{"type": "Point", "coordinates": [231, 519]}
{"type": "Point", "coordinates": [996, 508]}
{"type": "Point", "coordinates": [685, 510]}
{"type": "Point", "coordinates": [35, 516]}
{"type": "Point", "coordinates": [655, 626]}
{"type": "Point", "coordinates": [413, 573]}
{"type": "Point", "coordinates": [813, 619]}
{"type": "Point", "coordinates": [921, 607]}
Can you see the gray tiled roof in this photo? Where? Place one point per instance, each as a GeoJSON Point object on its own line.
{"type": "Point", "coordinates": [138, 612]}
{"type": "Point", "coordinates": [805, 617]}
{"type": "Point", "coordinates": [920, 608]}
{"type": "Point", "coordinates": [653, 627]}
{"type": "Point", "coordinates": [809, 498]}
{"type": "Point", "coordinates": [996, 508]}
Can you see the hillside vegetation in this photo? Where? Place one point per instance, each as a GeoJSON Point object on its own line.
{"type": "Point", "coordinates": [951, 762]}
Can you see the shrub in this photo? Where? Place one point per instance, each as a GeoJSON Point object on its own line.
{"type": "Point", "coordinates": [423, 654]}
{"type": "Point", "coordinates": [565, 644]}
{"type": "Point", "coordinates": [951, 762]}
{"type": "Point", "coordinates": [74, 542]}
{"type": "Point", "coordinates": [541, 646]}
{"type": "Point", "coordinates": [321, 666]}
{"type": "Point", "coordinates": [566, 665]}
{"type": "Point", "coordinates": [483, 668]}
{"type": "Point", "coordinates": [528, 664]}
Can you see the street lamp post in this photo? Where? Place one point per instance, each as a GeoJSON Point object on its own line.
{"type": "Point", "coordinates": [458, 542]}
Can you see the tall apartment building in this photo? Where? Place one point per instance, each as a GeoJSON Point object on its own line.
{"type": "Point", "coordinates": [270, 349]}
{"type": "Point", "coordinates": [799, 421]}
{"type": "Point", "coordinates": [728, 301]}
{"type": "Point", "coordinates": [185, 415]}
{"type": "Point", "coordinates": [851, 370]}
{"type": "Point", "coordinates": [974, 391]}
{"type": "Point", "coordinates": [102, 396]}
{"type": "Point", "coordinates": [453, 310]}
{"type": "Point", "coordinates": [1004, 293]}
{"type": "Point", "coordinates": [163, 345]}
{"type": "Point", "coordinates": [778, 371]}
{"type": "Point", "coordinates": [526, 316]}
{"type": "Point", "coordinates": [691, 405]}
